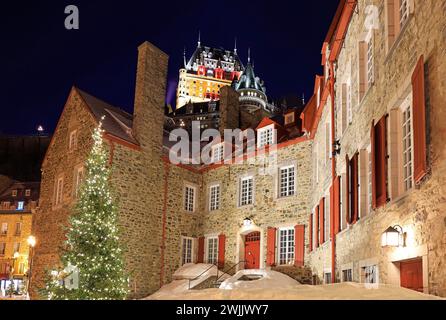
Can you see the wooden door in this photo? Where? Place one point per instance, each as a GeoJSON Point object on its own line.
{"type": "Point", "coordinates": [412, 275]}
{"type": "Point", "coordinates": [252, 251]}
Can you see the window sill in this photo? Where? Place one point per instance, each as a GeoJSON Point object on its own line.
{"type": "Point", "coordinates": [397, 41]}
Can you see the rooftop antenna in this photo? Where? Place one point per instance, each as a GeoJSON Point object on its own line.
{"type": "Point", "coordinates": [249, 55]}
{"type": "Point", "coordinates": [184, 57]}
{"type": "Point", "coordinates": [199, 38]}
{"type": "Point", "coordinates": [235, 46]}
{"type": "Point", "coordinates": [303, 98]}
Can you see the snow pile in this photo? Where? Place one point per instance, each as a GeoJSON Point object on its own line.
{"type": "Point", "coordinates": [267, 280]}
{"type": "Point", "coordinates": [191, 271]}
{"type": "Point", "coordinates": [339, 291]}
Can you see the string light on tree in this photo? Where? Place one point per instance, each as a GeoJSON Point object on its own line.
{"type": "Point", "coordinates": [93, 263]}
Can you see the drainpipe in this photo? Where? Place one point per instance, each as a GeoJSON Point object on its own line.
{"type": "Point", "coordinates": [163, 237]}
{"type": "Point", "coordinates": [333, 172]}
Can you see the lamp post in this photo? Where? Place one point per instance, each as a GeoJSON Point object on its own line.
{"type": "Point", "coordinates": [11, 273]}
{"type": "Point", "coordinates": [32, 243]}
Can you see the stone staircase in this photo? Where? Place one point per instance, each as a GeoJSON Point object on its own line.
{"type": "Point", "coordinates": [302, 275]}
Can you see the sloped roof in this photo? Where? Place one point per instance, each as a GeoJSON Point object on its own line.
{"type": "Point", "coordinates": [117, 122]}
{"type": "Point", "coordinates": [248, 80]}
{"type": "Point", "coordinates": [197, 108]}
{"type": "Point", "coordinates": [218, 54]}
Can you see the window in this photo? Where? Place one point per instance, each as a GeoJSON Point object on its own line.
{"type": "Point", "coordinates": [364, 185]}
{"type": "Point", "coordinates": [212, 250]}
{"type": "Point", "coordinates": [4, 230]}
{"type": "Point", "coordinates": [369, 180]}
{"type": "Point", "coordinates": [404, 12]}
{"type": "Point", "coordinates": [2, 248]}
{"type": "Point", "coordinates": [398, 12]}
{"type": "Point", "coordinates": [189, 199]}
{"type": "Point", "coordinates": [78, 179]}
{"type": "Point", "coordinates": [20, 206]}
{"type": "Point", "coordinates": [214, 197]}
{"type": "Point", "coordinates": [14, 193]}
{"type": "Point", "coordinates": [246, 191]}
{"type": "Point", "coordinates": [327, 218]}
{"type": "Point", "coordinates": [16, 247]}
{"type": "Point", "coordinates": [218, 153]}
{"type": "Point", "coordinates": [6, 205]}
{"type": "Point", "coordinates": [27, 192]}
{"type": "Point", "coordinates": [286, 246]}
{"type": "Point", "coordinates": [366, 66]}
{"type": "Point", "coordinates": [58, 195]}
{"type": "Point", "coordinates": [187, 250]}
{"type": "Point", "coordinates": [18, 229]}
{"type": "Point", "coordinates": [289, 118]}
{"type": "Point", "coordinates": [407, 149]}
{"type": "Point", "coordinates": [287, 181]}
{"type": "Point", "coordinates": [369, 274]}
{"type": "Point", "coordinates": [342, 201]}
{"type": "Point", "coordinates": [370, 73]}
{"type": "Point", "coordinates": [347, 275]}
{"type": "Point", "coordinates": [73, 140]}
{"type": "Point", "coordinates": [265, 136]}
{"type": "Point", "coordinates": [327, 277]}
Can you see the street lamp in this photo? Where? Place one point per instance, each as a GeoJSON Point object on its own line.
{"type": "Point", "coordinates": [32, 243]}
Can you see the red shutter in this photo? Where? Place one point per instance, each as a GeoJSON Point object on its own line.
{"type": "Point", "coordinates": [419, 122]}
{"type": "Point", "coordinates": [381, 162]}
{"type": "Point", "coordinates": [271, 247]}
{"type": "Point", "coordinates": [221, 250]}
{"type": "Point", "coordinates": [355, 189]}
{"type": "Point", "coordinates": [316, 235]}
{"type": "Point", "coordinates": [337, 205]}
{"type": "Point", "coordinates": [331, 212]}
{"type": "Point", "coordinates": [321, 221]}
{"type": "Point", "coordinates": [347, 191]}
{"type": "Point", "coordinates": [310, 232]}
{"type": "Point", "coordinates": [373, 158]}
{"type": "Point", "coordinates": [299, 245]}
{"type": "Point", "coordinates": [200, 257]}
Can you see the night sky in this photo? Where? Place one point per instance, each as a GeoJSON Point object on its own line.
{"type": "Point", "coordinates": [40, 60]}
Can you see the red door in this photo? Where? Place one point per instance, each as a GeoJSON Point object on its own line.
{"type": "Point", "coordinates": [252, 251]}
{"type": "Point", "coordinates": [412, 275]}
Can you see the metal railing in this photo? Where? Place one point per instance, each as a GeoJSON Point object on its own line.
{"type": "Point", "coordinates": [190, 280]}
{"type": "Point", "coordinates": [226, 271]}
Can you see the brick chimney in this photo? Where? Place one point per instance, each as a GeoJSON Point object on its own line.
{"type": "Point", "coordinates": [150, 93]}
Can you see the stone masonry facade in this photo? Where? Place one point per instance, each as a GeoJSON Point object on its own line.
{"type": "Point", "coordinates": [165, 211]}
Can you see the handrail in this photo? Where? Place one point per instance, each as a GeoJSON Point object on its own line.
{"type": "Point", "coordinates": [190, 280]}
{"type": "Point", "coordinates": [227, 270]}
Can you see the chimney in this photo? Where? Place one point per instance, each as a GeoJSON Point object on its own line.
{"type": "Point", "coordinates": [150, 93]}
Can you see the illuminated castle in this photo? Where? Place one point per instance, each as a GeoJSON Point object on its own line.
{"type": "Point", "coordinates": [210, 69]}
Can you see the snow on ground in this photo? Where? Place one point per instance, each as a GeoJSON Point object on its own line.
{"type": "Point", "coordinates": [269, 280]}
{"type": "Point", "coordinates": [191, 270]}
{"type": "Point", "coordinates": [277, 286]}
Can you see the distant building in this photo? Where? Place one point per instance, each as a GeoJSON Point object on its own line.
{"type": "Point", "coordinates": [18, 200]}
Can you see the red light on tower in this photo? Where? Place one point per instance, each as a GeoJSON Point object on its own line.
{"type": "Point", "coordinates": [201, 71]}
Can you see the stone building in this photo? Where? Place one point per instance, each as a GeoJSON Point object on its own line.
{"type": "Point", "coordinates": [18, 200]}
{"type": "Point", "coordinates": [376, 121]}
{"type": "Point", "coordinates": [332, 200]}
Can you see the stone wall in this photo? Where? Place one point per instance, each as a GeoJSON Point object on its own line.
{"type": "Point", "coordinates": [421, 211]}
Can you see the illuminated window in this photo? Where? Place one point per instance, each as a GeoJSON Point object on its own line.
{"type": "Point", "coordinates": [4, 230]}
{"type": "Point", "coordinates": [407, 149]}
{"type": "Point", "coordinates": [14, 193]}
{"type": "Point", "coordinates": [20, 205]}
{"type": "Point", "coordinates": [27, 192]}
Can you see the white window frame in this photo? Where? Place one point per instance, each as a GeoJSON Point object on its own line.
{"type": "Point", "coordinates": [369, 179]}
{"type": "Point", "coordinates": [370, 274]}
{"type": "Point", "coordinates": [370, 60]}
{"type": "Point", "coordinates": [58, 192]}
{"type": "Point", "coordinates": [249, 198]}
{"type": "Point", "coordinates": [218, 153]}
{"type": "Point", "coordinates": [214, 197]}
{"type": "Point", "coordinates": [4, 229]}
{"type": "Point", "coordinates": [20, 205]}
{"type": "Point", "coordinates": [212, 253]}
{"type": "Point", "coordinates": [289, 248]}
{"type": "Point", "coordinates": [407, 137]}
{"type": "Point", "coordinates": [79, 175]}
{"type": "Point", "coordinates": [14, 193]}
{"type": "Point", "coordinates": [189, 190]}
{"type": "Point", "coordinates": [72, 144]}
{"type": "Point", "coordinates": [27, 192]}
{"type": "Point", "coordinates": [287, 184]}
{"type": "Point", "coordinates": [327, 218]}
{"type": "Point", "coordinates": [185, 250]}
{"type": "Point", "coordinates": [404, 12]}
{"type": "Point", "coordinates": [266, 136]}
{"type": "Point", "coordinates": [346, 270]}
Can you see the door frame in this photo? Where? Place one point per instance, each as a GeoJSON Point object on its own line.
{"type": "Point", "coordinates": [240, 253]}
{"type": "Point", "coordinates": [258, 244]}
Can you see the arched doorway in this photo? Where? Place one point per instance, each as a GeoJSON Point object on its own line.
{"type": "Point", "coordinates": [252, 250]}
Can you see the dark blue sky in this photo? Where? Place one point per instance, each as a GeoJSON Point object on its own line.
{"type": "Point", "coordinates": [40, 60]}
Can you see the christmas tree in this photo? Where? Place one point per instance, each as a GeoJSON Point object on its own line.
{"type": "Point", "coordinates": [93, 263]}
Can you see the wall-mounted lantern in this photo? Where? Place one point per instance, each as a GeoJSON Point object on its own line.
{"type": "Point", "coordinates": [394, 237]}
{"type": "Point", "coordinates": [247, 222]}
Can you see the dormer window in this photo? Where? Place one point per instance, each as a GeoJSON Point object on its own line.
{"type": "Point", "coordinates": [20, 206]}
{"type": "Point", "coordinates": [265, 136]}
{"type": "Point", "coordinates": [218, 153]}
{"type": "Point", "coordinates": [73, 140]}
{"type": "Point", "coordinates": [14, 193]}
{"type": "Point", "coordinates": [27, 192]}
{"type": "Point", "coordinates": [289, 118]}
